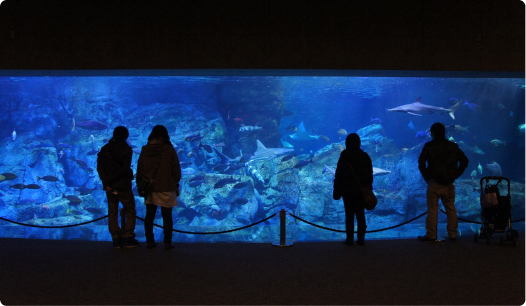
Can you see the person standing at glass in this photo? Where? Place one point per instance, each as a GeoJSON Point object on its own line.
{"type": "Point", "coordinates": [114, 168]}
{"type": "Point", "coordinates": [166, 183]}
{"type": "Point", "coordinates": [445, 163]}
{"type": "Point", "coordinates": [345, 185]}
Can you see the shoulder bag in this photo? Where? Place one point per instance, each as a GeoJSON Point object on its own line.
{"type": "Point", "coordinates": [145, 188]}
{"type": "Point", "coordinates": [368, 197]}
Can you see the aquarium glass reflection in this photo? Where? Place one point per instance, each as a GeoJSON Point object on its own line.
{"type": "Point", "coordinates": [276, 138]}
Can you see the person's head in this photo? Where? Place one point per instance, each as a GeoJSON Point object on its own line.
{"type": "Point", "coordinates": [159, 131]}
{"type": "Point", "coordinates": [438, 130]}
{"type": "Point", "coordinates": [353, 141]}
{"type": "Point", "coordinates": [121, 133]}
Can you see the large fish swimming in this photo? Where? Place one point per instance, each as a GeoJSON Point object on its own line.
{"type": "Point", "coordinates": [263, 152]}
{"type": "Point", "coordinates": [92, 125]}
{"type": "Point", "coordinates": [417, 108]}
{"type": "Point", "coordinates": [302, 134]}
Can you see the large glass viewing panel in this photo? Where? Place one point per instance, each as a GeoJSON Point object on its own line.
{"type": "Point", "coordinates": [277, 134]}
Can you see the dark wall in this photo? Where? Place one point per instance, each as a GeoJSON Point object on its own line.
{"type": "Point", "coordinates": [265, 34]}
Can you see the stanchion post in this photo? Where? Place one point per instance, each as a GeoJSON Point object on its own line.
{"type": "Point", "coordinates": [123, 220]}
{"type": "Point", "coordinates": [283, 231]}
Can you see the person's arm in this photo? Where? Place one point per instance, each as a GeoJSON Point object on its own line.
{"type": "Point", "coordinates": [422, 160]}
{"type": "Point", "coordinates": [463, 163]}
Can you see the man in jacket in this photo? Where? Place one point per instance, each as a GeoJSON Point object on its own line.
{"type": "Point", "coordinates": [345, 184]}
{"type": "Point", "coordinates": [445, 163]}
{"type": "Point", "coordinates": [114, 168]}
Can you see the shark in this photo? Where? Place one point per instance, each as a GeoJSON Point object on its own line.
{"type": "Point", "coordinates": [302, 134]}
{"type": "Point", "coordinates": [417, 108]}
{"type": "Point", "coordinates": [227, 160]}
{"type": "Point", "coordinates": [376, 171]}
{"type": "Point", "coordinates": [263, 152]}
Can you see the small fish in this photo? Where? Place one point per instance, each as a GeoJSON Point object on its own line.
{"type": "Point", "coordinates": [494, 169]}
{"type": "Point", "coordinates": [191, 155]}
{"type": "Point", "coordinates": [501, 106]}
{"type": "Point", "coordinates": [342, 132]}
{"type": "Point", "coordinates": [18, 186]}
{"type": "Point", "coordinates": [94, 210]}
{"type": "Point", "coordinates": [32, 186]}
{"type": "Point", "coordinates": [92, 152]}
{"type": "Point", "coordinates": [221, 183]}
{"type": "Point", "coordinates": [180, 151]}
{"type": "Point", "coordinates": [194, 137]}
{"type": "Point", "coordinates": [241, 201]}
{"type": "Point", "coordinates": [72, 198]}
{"type": "Point", "coordinates": [92, 138]}
{"type": "Point", "coordinates": [325, 138]}
{"type": "Point", "coordinates": [479, 168]}
{"type": "Point", "coordinates": [521, 128]}
{"type": "Point", "coordinates": [84, 190]}
{"type": "Point", "coordinates": [375, 120]}
{"type": "Point", "coordinates": [9, 176]}
{"type": "Point", "coordinates": [242, 185]}
{"type": "Point", "coordinates": [87, 169]}
{"type": "Point", "coordinates": [74, 211]}
{"type": "Point", "coordinates": [457, 129]}
{"type": "Point", "coordinates": [187, 171]}
{"type": "Point", "coordinates": [473, 174]}
{"type": "Point", "coordinates": [238, 120]}
{"type": "Point", "coordinates": [451, 139]}
{"type": "Point", "coordinates": [221, 167]}
{"type": "Point", "coordinates": [288, 157]}
{"type": "Point", "coordinates": [421, 134]}
{"type": "Point", "coordinates": [206, 147]}
{"type": "Point", "coordinates": [79, 162]}
{"type": "Point", "coordinates": [497, 142]}
{"type": "Point", "coordinates": [221, 144]}
{"type": "Point", "coordinates": [198, 177]}
{"type": "Point", "coordinates": [302, 163]}
{"type": "Point", "coordinates": [411, 125]}
{"type": "Point", "coordinates": [199, 197]}
{"type": "Point", "coordinates": [47, 178]}
{"type": "Point", "coordinates": [13, 135]}
{"type": "Point", "coordinates": [249, 128]}
{"type": "Point", "coordinates": [196, 183]}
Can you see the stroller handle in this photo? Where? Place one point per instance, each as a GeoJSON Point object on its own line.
{"type": "Point", "coordinates": [499, 178]}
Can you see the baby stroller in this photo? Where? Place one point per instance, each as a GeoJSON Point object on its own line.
{"type": "Point", "coordinates": [496, 211]}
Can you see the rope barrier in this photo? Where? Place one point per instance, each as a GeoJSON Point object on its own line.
{"type": "Point", "coordinates": [342, 231]}
{"type": "Point", "coordinates": [61, 226]}
{"type": "Point", "coordinates": [208, 233]}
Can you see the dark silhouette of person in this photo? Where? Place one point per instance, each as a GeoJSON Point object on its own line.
{"type": "Point", "coordinates": [345, 184]}
{"type": "Point", "coordinates": [166, 183]}
{"type": "Point", "coordinates": [441, 163]}
{"type": "Point", "coordinates": [114, 168]}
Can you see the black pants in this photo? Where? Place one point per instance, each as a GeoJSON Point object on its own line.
{"type": "Point", "coordinates": [168, 223]}
{"type": "Point", "coordinates": [353, 206]}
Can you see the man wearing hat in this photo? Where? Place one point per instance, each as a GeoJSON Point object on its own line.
{"type": "Point", "coordinates": [114, 168]}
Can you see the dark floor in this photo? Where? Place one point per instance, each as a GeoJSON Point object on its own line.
{"type": "Point", "coordinates": [397, 272]}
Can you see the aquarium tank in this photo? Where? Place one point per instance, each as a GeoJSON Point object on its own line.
{"type": "Point", "coordinates": [276, 137]}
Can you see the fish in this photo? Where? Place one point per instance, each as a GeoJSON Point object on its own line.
{"type": "Point", "coordinates": [229, 180]}
{"type": "Point", "coordinates": [245, 158]}
{"type": "Point", "coordinates": [84, 190]}
{"type": "Point", "coordinates": [240, 201]}
{"type": "Point", "coordinates": [243, 220]}
{"type": "Point", "coordinates": [207, 148]}
{"type": "Point", "coordinates": [457, 129]}
{"type": "Point", "coordinates": [451, 139]}
{"type": "Point", "coordinates": [497, 142]}
{"type": "Point", "coordinates": [242, 185]}
{"type": "Point", "coordinates": [421, 135]}
{"type": "Point", "coordinates": [9, 176]}
{"type": "Point", "coordinates": [198, 177]}
{"type": "Point", "coordinates": [18, 186]}
{"type": "Point", "coordinates": [286, 144]}
{"type": "Point", "coordinates": [233, 168]}
{"type": "Point", "coordinates": [302, 163]}
{"type": "Point", "coordinates": [194, 137]}
{"type": "Point", "coordinates": [238, 119]}
{"type": "Point", "coordinates": [473, 174]}
{"type": "Point", "coordinates": [341, 132]}
{"type": "Point", "coordinates": [87, 169]}
{"type": "Point", "coordinates": [199, 197]}
{"type": "Point", "coordinates": [47, 178]}
{"type": "Point", "coordinates": [380, 172]}
{"type": "Point", "coordinates": [184, 164]}
{"type": "Point", "coordinates": [254, 172]}
{"type": "Point", "coordinates": [72, 198]}
{"type": "Point", "coordinates": [79, 162]}
{"type": "Point", "coordinates": [302, 134]}
{"type": "Point", "coordinates": [74, 211]}
{"type": "Point", "coordinates": [189, 213]}
{"type": "Point", "coordinates": [92, 152]}
{"type": "Point", "coordinates": [136, 151]}
{"type": "Point", "coordinates": [13, 135]}
{"type": "Point", "coordinates": [32, 186]}
{"type": "Point", "coordinates": [221, 144]}
{"type": "Point", "coordinates": [92, 125]}
{"type": "Point", "coordinates": [2, 178]}
{"type": "Point", "coordinates": [249, 128]}
{"type": "Point", "coordinates": [196, 183]}
{"type": "Point", "coordinates": [227, 160]}
{"type": "Point", "coordinates": [191, 155]}
{"type": "Point", "coordinates": [375, 120]}
{"type": "Point", "coordinates": [329, 169]}
{"type": "Point", "coordinates": [501, 106]}
{"type": "Point", "coordinates": [411, 125]}
{"type": "Point", "coordinates": [94, 210]}
{"type": "Point", "coordinates": [521, 128]}
{"type": "Point", "coordinates": [479, 168]}
{"type": "Point", "coordinates": [291, 128]}
{"type": "Point", "coordinates": [221, 167]}
{"type": "Point", "coordinates": [187, 171]}
{"type": "Point", "coordinates": [263, 153]}
{"type": "Point", "coordinates": [494, 169]}
{"type": "Point", "coordinates": [325, 138]}
{"type": "Point", "coordinates": [288, 157]}
{"type": "Point", "coordinates": [475, 149]}
{"type": "Point", "coordinates": [417, 108]}
{"type": "Point", "coordinates": [180, 151]}
{"type": "Point", "coordinates": [473, 106]}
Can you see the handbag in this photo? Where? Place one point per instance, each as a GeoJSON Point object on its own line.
{"type": "Point", "coordinates": [145, 188]}
{"type": "Point", "coordinates": [368, 197]}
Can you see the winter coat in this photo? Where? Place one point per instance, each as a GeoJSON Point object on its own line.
{"type": "Point", "coordinates": [169, 172]}
{"type": "Point", "coordinates": [114, 165]}
{"type": "Point", "coordinates": [445, 161]}
{"type": "Point", "coordinates": [344, 181]}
